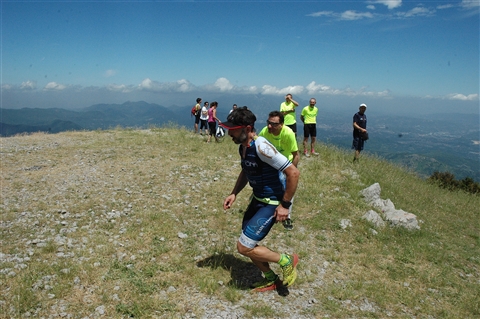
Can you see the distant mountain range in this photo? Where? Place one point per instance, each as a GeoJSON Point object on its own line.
{"type": "Point", "coordinates": [446, 142]}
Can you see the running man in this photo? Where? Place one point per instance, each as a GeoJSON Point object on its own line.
{"type": "Point", "coordinates": [265, 169]}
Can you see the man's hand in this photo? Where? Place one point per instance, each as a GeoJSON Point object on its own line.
{"type": "Point", "coordinates": [281, 213]}
{"type": "Point", "coordinates": [228, 202]}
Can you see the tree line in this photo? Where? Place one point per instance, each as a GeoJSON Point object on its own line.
{"type": "Point", "coordinates": [448, 181]}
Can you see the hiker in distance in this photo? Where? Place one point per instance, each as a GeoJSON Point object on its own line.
{"type": "Point", "coordinates": [265, 169]}
{"type": "Point", "coordinates": [198, 109]}
{"type": "Point", "coordinates": [288, 110]}
{"type": "Point", "coordinates": [309, 119]}
{"type": "Point", "coordinates": [360, 134]}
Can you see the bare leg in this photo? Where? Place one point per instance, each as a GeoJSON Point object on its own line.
{"type": "Point", "coordinates": [259, 255]}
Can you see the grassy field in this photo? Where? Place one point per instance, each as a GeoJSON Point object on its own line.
{"type": "Point", "coordinates": [129, 223]}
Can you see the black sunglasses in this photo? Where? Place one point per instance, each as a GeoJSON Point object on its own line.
{"type": "Point", "coordinates": [273, 124]}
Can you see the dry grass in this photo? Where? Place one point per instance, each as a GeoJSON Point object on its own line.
{"type": "Point", "coordinates": [129, 223]}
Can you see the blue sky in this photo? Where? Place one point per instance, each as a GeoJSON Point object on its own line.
{"type": "Point", "coordinates": [78, 53]}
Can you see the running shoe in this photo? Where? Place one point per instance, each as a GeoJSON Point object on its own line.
{"type": "Point", "coordinates": [265, 285]}
{"type": "Point", "coordinates": [315, 153]}
{"type": "Point", "coordinates": [288, 224]}
{"type": "Point", "coordinates": [290, 270]}
{"type": "Point", "coordinates": [306, 154]}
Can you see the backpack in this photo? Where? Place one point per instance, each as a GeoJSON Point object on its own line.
{"type": "Point", "coordinates": [220, 131]}
{"type": "Point", "coordinates": [194, 110]}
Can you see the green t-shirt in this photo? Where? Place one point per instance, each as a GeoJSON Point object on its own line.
{"type": "Point", "coordinates": [289, 119]}
{"type": "Point", "coordinates": [285, 142]}
{"type": "Point", "coordinates": [310, 114]}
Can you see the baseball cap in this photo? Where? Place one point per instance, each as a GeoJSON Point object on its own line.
{"type": "Point", "coordinates": [239, 118]}
{"type": "Point", "coordinates": [363, 104]}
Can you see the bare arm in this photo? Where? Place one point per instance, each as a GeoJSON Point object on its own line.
{"type": "Point", "coordinates": [292, 172]}
{"type": "Point", "coordinates": [239, 185]}
{"type": "Point", "coordinates": [296, 158]}
{"type": "Point", "coordinates": [356, 126]}
{"type": "Point", "coordinates": [293, 175]}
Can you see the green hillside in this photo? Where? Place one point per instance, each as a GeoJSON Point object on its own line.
{"type": "Point", "coordinates": [129, 224]}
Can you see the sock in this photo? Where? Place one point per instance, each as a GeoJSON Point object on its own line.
{"type": "Point", "coordinates": [270, 275]}
{"type": "Point", "coordinates": [284, 260]}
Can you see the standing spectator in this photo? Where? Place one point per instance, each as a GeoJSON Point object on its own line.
{"type": "Point", "coordinates": [309, 119]}
{"type": "Point", "coordinates": [198, 107]}
{"type": "Point", "coordinates": [234, 107]}
{"type": "Point", "coordinates": [212, 121]}
{"type": "Point", "coordinates": [288, 110]}
{"type": "Point", "coordinates": [204, 118]}
{"type": "Point", "coordinates": [359, 127]}
{"type": "Point", "coordinates": [283, 138]}
{"type": "Point", "coordinates": [264, 168]}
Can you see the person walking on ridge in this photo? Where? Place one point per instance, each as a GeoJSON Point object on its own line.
{"type": "Point", "coordinates": [198, 108]}
{"type": "Point", "coordinates": [212, 121]}
{"type": "Point", "coordinates": [359, 128]}
{"type": "Point", "coordinates": [288, 110]}
{"type": "Point", "coordinates": [204, 118]}
{"type": "Point", "coordinates": [283, 138]}
{"type": "Point", "coordinates": [264, 168]}
{"type": "Point", "coordinates": [309, 119]}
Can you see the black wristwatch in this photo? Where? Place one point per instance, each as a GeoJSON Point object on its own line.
{"type": "Point", "coordinates": [285, 204]}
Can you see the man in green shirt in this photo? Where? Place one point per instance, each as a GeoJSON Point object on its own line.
{"type": "Point", "coordinates": [288, 110]}
{"type": "Point", "coordinates": [284, 140]}
{"type": "Point", "coordinates": [309, 119]}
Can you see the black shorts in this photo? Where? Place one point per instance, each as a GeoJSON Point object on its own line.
{"type": "Point", "coordinates": [358, 144]}
{"type": "Point", "coordinates": [293, 127]}
{"type": "Point", "coordinates": [212, 126]}
{"type": "Point", "coordinates": [197, 118]}
{"type": "Point", "coordinates": [310, 130]}
{"type": "Point", "coordinates": [203, 124]}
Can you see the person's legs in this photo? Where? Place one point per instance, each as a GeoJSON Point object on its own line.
{"type": "Point", "coordinates": [312, 145]}
{"type": "Point", "coordinates": [358, 146]}
{"type": "Point", "coordinates": [305, 150]}
{"type": "Point", "coordinates": [211, 126]}
{"type": "Point", "coordinates": [257, 222]}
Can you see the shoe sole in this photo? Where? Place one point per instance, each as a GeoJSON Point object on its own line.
{"type": "Point", "coordinates": [295, 262]}
{"type": "Point", "coordinates": [274, 286]}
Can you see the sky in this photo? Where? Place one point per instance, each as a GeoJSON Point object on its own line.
{"type": "Point", "coordinates": [73, 54]}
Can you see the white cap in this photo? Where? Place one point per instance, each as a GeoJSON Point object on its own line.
{"type": "Point", "coordinates": [363, 104]}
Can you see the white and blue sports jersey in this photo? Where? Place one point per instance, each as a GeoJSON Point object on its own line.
{"type": "Point", "coordinates": [264, 166]}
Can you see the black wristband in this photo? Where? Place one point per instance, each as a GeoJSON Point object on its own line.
{"type": "Point", "coordinates": [285, 204]}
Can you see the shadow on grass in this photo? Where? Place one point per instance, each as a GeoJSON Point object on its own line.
{"type": "Point", "coordinates": [243, 273]}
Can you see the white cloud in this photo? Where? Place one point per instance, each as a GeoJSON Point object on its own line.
{"type": "Point", "coordinates": [54, 86]}
{"type": "Point", "coordinates": [321, 14]}
{"type": "Point", "coordinates": [223, 85]}
{"type": "Point", "coordinates": [461, 97]}
{"type": "Point", "coordinates": [28, 85]}
{"type": "Point", "coordinates": [154, 86]}
{"type": "Point", "coordinates": [371, 7]}
{"type": "Point", "coordinates": [391, 4]}
{"type": "Point", "coordinates": [353, 15]}
{"type": "Point", "coordinates": [273, 90]}
{"type": "Point", "coordinates": [470, 3]}
{"type": "Point", "coordinates": [445, 6]}
{"type": "Point", "coordinates": [418, 11]}
{"type": "Point", "coordinates": [120, 88]}
{"type": "Point", "coordinates": [110, 73]}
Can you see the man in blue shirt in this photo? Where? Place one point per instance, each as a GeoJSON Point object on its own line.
{"type": "Point", "coordinates": [359, 127]}
{"type": "Point", "coordinates": [274, 180]}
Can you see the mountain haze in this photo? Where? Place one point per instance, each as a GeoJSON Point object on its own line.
{"type": "Point", "coordinates": [426, 143]}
